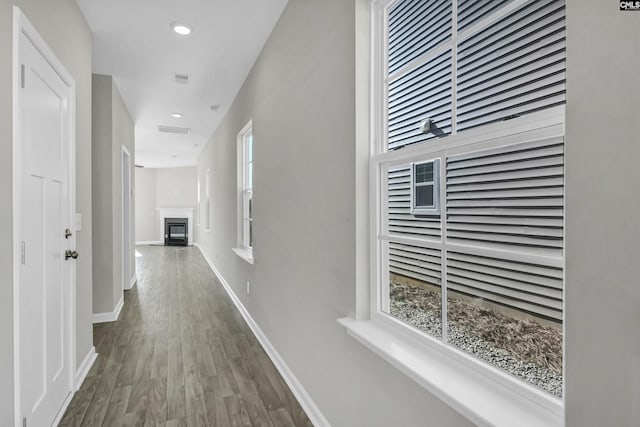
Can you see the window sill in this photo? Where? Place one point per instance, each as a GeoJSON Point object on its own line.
{"type": "Point", "coordinates": [482, 399]}
{"type": "Point", "coordinates": [245, 254]}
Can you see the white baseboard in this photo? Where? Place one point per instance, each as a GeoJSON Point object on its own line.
{"type": "Point", "coordinates": [309, 406]}
{"type": "Point", "coordinates": [150, 242]}
{"type": "Point", "coordinates": [84, 367]}
{"type": "Point", "coordinates": [62, 410]}
{"type": "Point", "coordinates": [81, 374]}
{"type": "Point", "coordinates": [132, 282]}
{"type": "Point", "coordinates": [111, 316]}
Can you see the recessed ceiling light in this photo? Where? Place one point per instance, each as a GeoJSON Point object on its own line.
{"type": "Point", "coordinates": [174, 156]}
{"type": "Point", "coordinates": [176, 115]}
{"type": "Point", "coordinates": [180, 28]}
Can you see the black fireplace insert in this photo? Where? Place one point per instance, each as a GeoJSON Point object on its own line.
{"type": "Point", "coordinates": [176, 231]}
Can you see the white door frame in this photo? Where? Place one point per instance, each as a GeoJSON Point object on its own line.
{"type": "Point", "coordinates": [21, 25]}
{"type": "Point", "coordinates": [127, 282]}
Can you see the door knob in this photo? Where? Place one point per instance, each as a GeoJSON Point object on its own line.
{"type": "Point", "coordinates": [70, 254]}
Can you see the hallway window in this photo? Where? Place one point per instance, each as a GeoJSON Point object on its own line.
{"type": "Point", "coordinates": [207, 200]}
{"type": "Point", "coordinates": [468, 161]}
{"type": "Point", "coordinates": [245, 193]}
{"type": "Point", "coordinates": [198, 207]}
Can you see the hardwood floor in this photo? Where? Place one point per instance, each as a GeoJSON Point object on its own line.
{"type": "Point", "coordinates": [180, 355]}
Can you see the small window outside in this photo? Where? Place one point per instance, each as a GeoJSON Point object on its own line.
{"type": "Point", "coordinates": [424, 188]}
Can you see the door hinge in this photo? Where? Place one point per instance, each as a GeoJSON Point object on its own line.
{"type": "Point", "coordinates": [22, 73]}
{"type": "Point", "coordinates": [22, 253]}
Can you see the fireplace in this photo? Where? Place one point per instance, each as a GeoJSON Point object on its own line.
{"type": "Point", "coordinates": [176, 231]}
{"type": "Point", "coordinates": [171, 214]}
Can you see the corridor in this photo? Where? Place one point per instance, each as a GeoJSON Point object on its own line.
{"type": "Point", "coordinates": [180, 354]}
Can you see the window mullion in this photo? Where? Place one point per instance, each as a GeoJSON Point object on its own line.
{"type": "Point", "coordinates": [454, 67]}
{"type": "Point", "coordinates": [442, 177]}
{"type": "Point", "coordinates": [442, 171]}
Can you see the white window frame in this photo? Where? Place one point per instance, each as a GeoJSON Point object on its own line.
{"type": "Point", "coordinates": [483, 393]}
{"type": "Point", "coordinates": [207, 201]}
{"type": "Point", "coordinates": [199, 207]}
{"type": "Point", "coordinates": [426, 210]}
{"type": "Point", "coordinates": [245, 193]}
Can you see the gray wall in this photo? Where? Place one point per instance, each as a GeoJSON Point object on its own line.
{"type": "Point", "coordinates": [603, 215]}
{"type": "Point", "coordinates": [123, 136]}
{"type": "Point", "coordinates": [176, 187]}
{"type": "Point", "coordinates": [162, 188]}
{"type": "Point", "coordinates": [103, 270]}
{"type": "Point", "coordinates": [146, 214]}
{"type": "Point", "coordinates": [301, 97]}
{"type": "Point", "coordinates": [62, 25]}
{"type": "Point", "coordinates": [112, 129]}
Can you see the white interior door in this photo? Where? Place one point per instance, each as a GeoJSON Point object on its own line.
{"type": "Point", "coordinates": [126, 220]}
{"type": "Point", "coordinates": [45, 192]}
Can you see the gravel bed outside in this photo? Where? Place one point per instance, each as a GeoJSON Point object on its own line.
{"type": "Point", "coordinates": [523, 348]}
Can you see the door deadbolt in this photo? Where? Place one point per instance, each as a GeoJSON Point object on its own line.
{"type": "Point", "coordinates": [67, 233]}
{"type": "Point", "coordinates": [70, 254]}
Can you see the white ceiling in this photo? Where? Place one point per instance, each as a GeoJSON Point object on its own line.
{"type": "Point", "coordinates": [133, 42]}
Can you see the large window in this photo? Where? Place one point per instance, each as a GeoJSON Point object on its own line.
{"type": "Point", "coordinates": [469, 181]}
{"type": "Point", "coordinates": [245, 193]}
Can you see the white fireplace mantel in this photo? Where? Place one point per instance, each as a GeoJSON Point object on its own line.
{"type": "Point", "coordinates": [176, 213]}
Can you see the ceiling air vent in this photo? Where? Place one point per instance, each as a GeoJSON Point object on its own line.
{"type": "Point", "coordinates": [182, 79]}
{"type": "Point", "coordinates": [172, 129]}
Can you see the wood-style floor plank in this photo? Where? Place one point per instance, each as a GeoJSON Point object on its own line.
{"type": "Point", "coordinates": [75, 414]}
{"type": "Point", "coordinates": [180, 355]}
{"type": "Point", "coordinates": [117, 407]}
